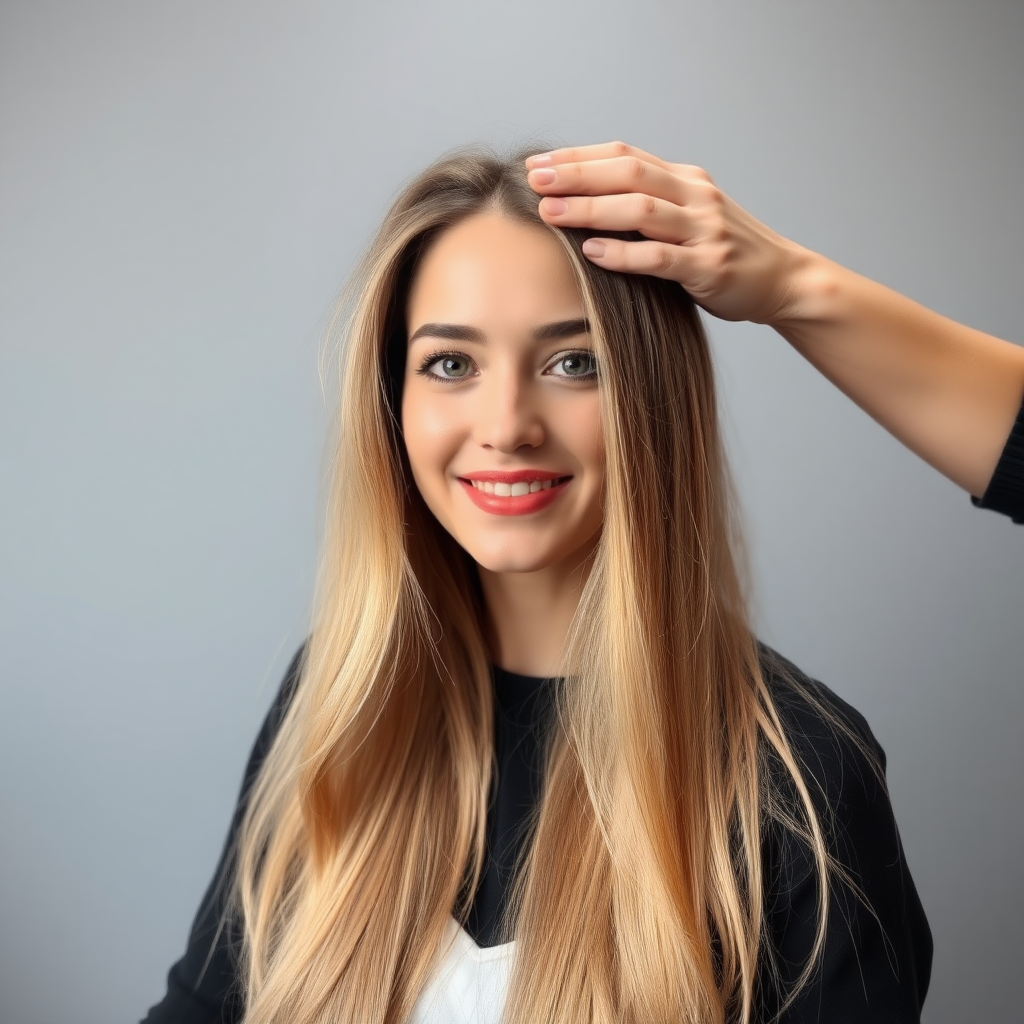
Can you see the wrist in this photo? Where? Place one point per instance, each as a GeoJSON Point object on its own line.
{"type": "Point", "coordinates": [811, 290]}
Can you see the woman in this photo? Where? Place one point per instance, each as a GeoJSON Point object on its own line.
{"type": "Point", "coordinates": [532, 764]}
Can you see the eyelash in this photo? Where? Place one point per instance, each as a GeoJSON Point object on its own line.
{"type": "Point", "coordinates": [434, 357]}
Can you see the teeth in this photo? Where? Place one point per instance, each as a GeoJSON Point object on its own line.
{"type": "Point", "coordinates": [519, 488]}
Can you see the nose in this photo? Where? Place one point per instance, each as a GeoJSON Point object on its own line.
{"type": "Point", "coordinates": [508, 415]}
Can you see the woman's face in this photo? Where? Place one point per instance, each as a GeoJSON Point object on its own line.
{"type": "Point", "coordinates": [500, 403]}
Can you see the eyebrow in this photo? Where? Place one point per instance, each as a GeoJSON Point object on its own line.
{"type": "Point", "coordinates": [462, 332]}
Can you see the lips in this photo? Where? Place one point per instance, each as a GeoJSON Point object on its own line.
{"type": "Point", "coordinates": [544, 489]}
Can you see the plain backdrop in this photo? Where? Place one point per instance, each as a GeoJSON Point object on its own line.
{"type": "Point", "coordinates": [183, 189]}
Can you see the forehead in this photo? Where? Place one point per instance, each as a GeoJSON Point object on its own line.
{"type": "Point", "coordinates": [488, 269]}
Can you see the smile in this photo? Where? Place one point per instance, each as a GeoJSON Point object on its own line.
{"type": "Point", "coordinates": [516, 490]}
{"type": "Point", "coordinates": [514, 497]}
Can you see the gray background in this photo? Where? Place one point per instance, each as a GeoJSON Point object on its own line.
{"type": "Point", "coordinates": [184, 186]}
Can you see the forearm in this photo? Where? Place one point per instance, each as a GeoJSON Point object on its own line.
{"type": "Point", "coordinates": [948, 392]}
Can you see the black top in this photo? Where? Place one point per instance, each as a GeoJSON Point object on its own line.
{"type": "Point", "coordinates": [875, 965]}
{"type": "Point", "coordinates": [1005, 491]}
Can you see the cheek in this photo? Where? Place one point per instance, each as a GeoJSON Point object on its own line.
{"type": "Point", "coordinates": [590, 451]}
{"type": "Point", "coordinates": [585, 433]}
{"type": "Point", "coordinates": [431, 437]}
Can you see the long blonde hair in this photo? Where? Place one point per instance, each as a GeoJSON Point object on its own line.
{"type": "Point", "coordinates": [640, 896]}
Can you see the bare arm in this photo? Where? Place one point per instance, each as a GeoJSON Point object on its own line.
{"type": "Point", "coordinates": [948, 392]}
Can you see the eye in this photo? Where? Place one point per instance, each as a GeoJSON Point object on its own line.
{"type": "Point", "coordinates": [580, 364]}
{"type": "Point", "coordinates": [446, 366]}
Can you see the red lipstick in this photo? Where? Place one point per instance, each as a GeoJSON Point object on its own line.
{"type": "Point", "coordinates": [519, 504]}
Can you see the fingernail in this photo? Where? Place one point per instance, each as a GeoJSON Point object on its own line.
{"type": "Point", "coordinates": [539, 160]}
{"type": "Point", "coordinates": [592, 247]}
{"type": "Point", "coordinates": [544, 177]}
{"type": "Point", "coordinates": [554, 207]}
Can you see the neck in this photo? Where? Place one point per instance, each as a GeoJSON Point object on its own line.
{"type": "Point", "coordinates": [529, 614]}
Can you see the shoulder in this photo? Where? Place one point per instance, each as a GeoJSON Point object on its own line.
{"type": "Point", "coordinates": [831, 740]}
{"type": "Point", "coordinates": [203, 985]}
{"type": "Point", "coordinates": [278, 709]}
{"type": "Point", "coordinates": [289, 684]}
{"type": "Point", "coordinates": [876, 958]}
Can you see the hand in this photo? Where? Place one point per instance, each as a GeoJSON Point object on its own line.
{"type": "Point", "coordinates": [732, 265]}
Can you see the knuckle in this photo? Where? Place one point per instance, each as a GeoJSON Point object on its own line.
{"type": "Point", "coordinates": [692, 172]}
{"type": "Point", "coordinates": [723, 261]}
{"type": "Point", "coordinates": [721, 238]}
{"type": "Point", "coordinates": [713, 195]}
{"type": "Point", "coordinates": [634, 168]}
{"type": "Point", "coordinates": [621, 149]}
{"type": "Point", "coordinates": [664, 258]}
{"type": "Point", "coordinates": [647, 206]}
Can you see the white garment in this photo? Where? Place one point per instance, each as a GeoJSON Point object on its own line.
{"type": "Point", "coordinates": [469, 984]}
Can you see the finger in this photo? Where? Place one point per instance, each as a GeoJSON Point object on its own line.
{"type": "Point", "coordinates": [614, 176]}
{"type": "Point", "coordinates": [658, 219]}
{"type": "Point", "coordinates": [600, 151]}
{"type": "Point", "coordinates": [656, 259]}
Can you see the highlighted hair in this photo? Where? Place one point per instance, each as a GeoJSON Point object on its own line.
{"type": "Point", "coordinates": [640, 896]}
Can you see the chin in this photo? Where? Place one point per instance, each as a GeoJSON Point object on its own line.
{"type": "Point", "coordinates": [509, 561]}
{"type": "Point", "coordinates": [523, 556]}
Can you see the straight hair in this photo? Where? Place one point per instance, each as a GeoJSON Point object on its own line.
{"type": "Point", "coordinates": [639, 897]}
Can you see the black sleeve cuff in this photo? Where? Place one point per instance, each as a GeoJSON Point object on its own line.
{"type": "Point", "coordinates": [1005, 492]}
